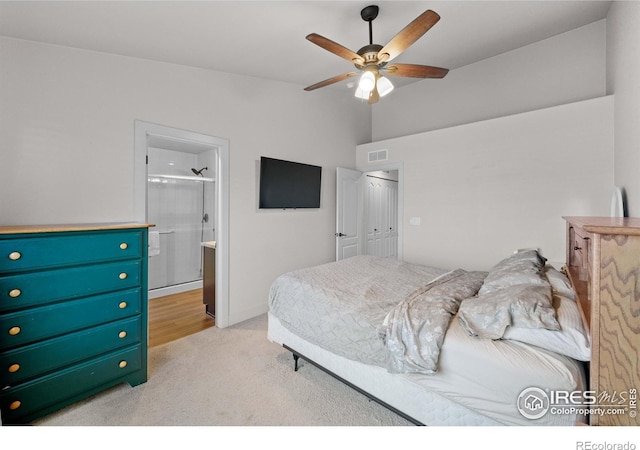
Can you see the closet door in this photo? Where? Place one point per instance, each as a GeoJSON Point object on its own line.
{"type": "Point", "coordinates": [381, 213]}
{"type": "Point", "coordinates": [389, 206]}
{"type": "Point", "coordinates": [373, 211]}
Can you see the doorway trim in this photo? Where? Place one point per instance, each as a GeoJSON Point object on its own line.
{"type": "Point", "coordinates": [142, 130]}
{"type": "Point", "coordinates": [399, 166]}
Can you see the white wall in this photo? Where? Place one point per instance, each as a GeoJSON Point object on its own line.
{"type": "Point", "coordinates": [623, 80]}
{"type": "Point", "coordinates": [67, 129]}
{"type": "Point", "coordinates": [566, 68]}
{"type": "Point", "coordinates": [485, 189]}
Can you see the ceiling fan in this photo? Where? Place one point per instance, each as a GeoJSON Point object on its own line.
{"type": "Point", "coordinates": [373, 60]}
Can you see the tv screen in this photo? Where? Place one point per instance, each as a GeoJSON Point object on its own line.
{"type": "Point", "coordinates": [288, 184]}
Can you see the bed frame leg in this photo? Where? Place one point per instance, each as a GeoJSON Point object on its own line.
{"type": "Point", "coordinates": [297, 356]}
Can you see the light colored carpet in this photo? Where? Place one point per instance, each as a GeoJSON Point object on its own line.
{"type": "Point", "coordinates": [229, 377]}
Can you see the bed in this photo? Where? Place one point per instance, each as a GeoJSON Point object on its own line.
{"type": "Point", "coordinates": [439, 346]}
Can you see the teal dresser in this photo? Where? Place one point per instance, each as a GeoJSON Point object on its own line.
{"type": "Point", "coordinates": [73, 314]}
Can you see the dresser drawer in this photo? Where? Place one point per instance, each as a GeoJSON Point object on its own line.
{"type": "Point", "coordinates": [37, 359]}
{"type": "Point", "coordinates": [23, 254]}
{"type": "Point", "coordinates": [37, 288]}
{"type": "Point", "coordinates": [29, 326]}
{"type": "Point", "coordinates": [579, 252]}
{"type": "Point", "coordinates": [60, 388]}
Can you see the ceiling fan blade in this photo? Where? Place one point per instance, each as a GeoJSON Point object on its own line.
{"type": "Point", "coordinates": [335, 48]}
{"type": "Point", "coordinates": [408, 35]}
{"type": "Point", "coordinates": [329, 81]}
{"type": "Point", "coordinates": [415, 71]}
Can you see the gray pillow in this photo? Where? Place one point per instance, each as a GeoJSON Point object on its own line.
{"type": "Point", "coordinates": [525, 267]}
{"type": "Point", "coordinates": [531, 255]}
{"type": "Point", "coordinates": [523, 306]}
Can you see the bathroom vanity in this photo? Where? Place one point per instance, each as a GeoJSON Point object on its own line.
{"type": "Point", "coordinates": [209, 277]}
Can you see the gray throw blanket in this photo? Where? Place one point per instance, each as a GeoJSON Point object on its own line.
{"type": "Point", "coordinates": [415, 329]}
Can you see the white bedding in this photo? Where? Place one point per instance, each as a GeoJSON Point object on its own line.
{"type": "Point", "coordinates": [467, 391]}
{"type": "Point", "coordinates": [478, 380]}
{"type": "Point", "coordinates": [398, 391]}
{"type": "Point", "coordinates": [341, 306]}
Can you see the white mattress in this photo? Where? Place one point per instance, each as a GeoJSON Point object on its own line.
{"type": "Point", "coordinates": [478, 381]}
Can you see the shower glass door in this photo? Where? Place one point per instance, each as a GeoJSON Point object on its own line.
{"type": "Point", "coordinates": [180, 193]}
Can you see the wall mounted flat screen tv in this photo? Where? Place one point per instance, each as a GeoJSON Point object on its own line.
{"type": "Point", "coordinates": [288, 184]}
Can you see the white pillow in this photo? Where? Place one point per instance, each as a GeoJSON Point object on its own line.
{"type": "Point", "coordinates": [559, 282]}
{"type": "Point", "coordinates": [571, 340]}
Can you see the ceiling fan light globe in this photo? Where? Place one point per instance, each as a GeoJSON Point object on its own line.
{"type": "Point", "coordinates": [384, 86]}
{"type": "Point", "coordinates": [361, 94]}
{"type": "Point", "coordinates": [367, 81]}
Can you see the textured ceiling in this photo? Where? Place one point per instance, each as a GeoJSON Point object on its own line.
{"type": "Point", "coordinates": [266, 39]}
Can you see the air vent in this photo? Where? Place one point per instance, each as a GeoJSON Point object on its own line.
{"type": "Point", "coordinates": [378, 155]}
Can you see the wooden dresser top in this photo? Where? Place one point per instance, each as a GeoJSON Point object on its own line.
{"type": "Point", "coordinates": [56, 228]}
{"type": "Point", "coordinates": [607, 225]}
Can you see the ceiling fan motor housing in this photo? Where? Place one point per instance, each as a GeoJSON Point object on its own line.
{"type": "Point", "coordinates": [370, 55]}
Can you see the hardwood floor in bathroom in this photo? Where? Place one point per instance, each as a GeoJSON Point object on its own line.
{"type": "Point", "coordinates": [177, 315]}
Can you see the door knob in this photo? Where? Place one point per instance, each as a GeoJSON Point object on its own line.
{"type": "Point", "coordinates": [340, 234]}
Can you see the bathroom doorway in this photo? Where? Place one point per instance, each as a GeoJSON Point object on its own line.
{"type": "Point", "coordinates": [182, 188]}
{"type": "Point", "coordinates": [181, 178]}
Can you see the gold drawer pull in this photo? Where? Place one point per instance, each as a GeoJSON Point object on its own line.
{"type": "Point", "coordinates": [123, 275]}
{"type": "Point", "coordinates": [15, 405]}
{"type": "Point", "coordinates": [122, 334]}
{"type": "Point", "coordinates": [13, 331]}
{"type": "Point", "coordinates": [13, 293]}
{"type": "Point", "coordinates": [122, 364]}
{"type": "Point", "coordinates": [13, 368]}
{"type": "Point", "coordinates": [122, 305]}
{"type": "Point", "coordinates": [124, 246]}
{"type": "Point", "coordinates": [14, 256]}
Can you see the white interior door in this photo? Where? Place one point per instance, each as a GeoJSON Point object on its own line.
{"type": "Point", "coordinates": [381, 217]}
{"type": "Point", "coordinates": [390, 220]}
{"type": "Point", "coordinates": [373, 213]}
{"type": "Point", "coordinates": [348, 213]}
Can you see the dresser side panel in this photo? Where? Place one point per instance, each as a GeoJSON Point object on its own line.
{"type": "Point", "coordinates": [618, 318]}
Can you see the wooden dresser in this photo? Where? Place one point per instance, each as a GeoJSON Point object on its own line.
{"type": "Point", "coordinates": [603, 263]}
{"type": "Point", "coordinates": [73, 314]}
